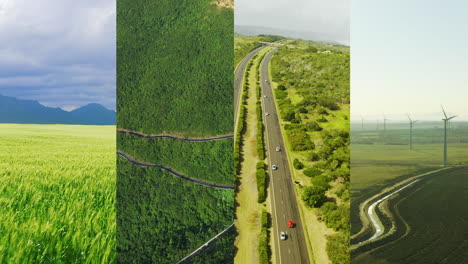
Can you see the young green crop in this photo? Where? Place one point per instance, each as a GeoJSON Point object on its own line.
{"type": "Point", "coordinates": [57, 185]}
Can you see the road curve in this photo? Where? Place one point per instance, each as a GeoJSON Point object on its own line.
{"type": "Point", "coordinates": [284, 201]}
{"type": "Point", "coordinates": [375, 220]}
{"type": "Point", "coordinates": [239, 78]}
{"type": "Point", "coordinates": [196, 181]}
{"type": "Point", "coordinates": [205, 246]}
{"type": "Point", "coordinates": [140, 134]}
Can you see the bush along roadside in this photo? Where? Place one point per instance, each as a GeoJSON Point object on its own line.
{"type": "Point", "coordinates": [241, 121]}
{"type": "Point", "coordinates": [264, 250]}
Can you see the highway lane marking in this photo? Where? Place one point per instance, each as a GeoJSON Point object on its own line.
{"type": "Point", "coordinates": [290, 191]}
{"type": "Point", "coordinates": [269, 158]}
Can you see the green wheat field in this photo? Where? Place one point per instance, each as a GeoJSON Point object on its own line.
{"type": "Point", "coordinates": [57, 186]}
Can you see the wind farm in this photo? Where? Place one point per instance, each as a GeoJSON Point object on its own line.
{"type": "Point", "coordinates": [396, 170]}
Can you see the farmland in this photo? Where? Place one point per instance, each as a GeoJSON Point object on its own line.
{"type": "Point", "coordinates": [169, 67]}
{"type": "Point", "coordinates": [436, 216]}
{"type": "Point", "coordinates": [57, 185]}
{"type": "Point", "coordinates": [380, 160]}
{"type": "Point", "coordinates": [171, 81]}
{"type": "Point", "coordinates": [312, 95]}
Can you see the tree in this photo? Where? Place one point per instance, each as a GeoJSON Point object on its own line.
{"type": "Point", "coordinates": [298, 165]}
{"type": "Point", "coordinates": [314, 196]}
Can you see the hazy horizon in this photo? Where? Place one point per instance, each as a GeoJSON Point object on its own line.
{"type": "Point", "coordinates": [409, 59]}
{"type": "Point", "coordinates": [326, 20]}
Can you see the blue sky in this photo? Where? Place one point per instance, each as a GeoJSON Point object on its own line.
{"type": "Point", "coordinates": [59, 52]}
{"type": "Point", "coordinates": [409, 57]}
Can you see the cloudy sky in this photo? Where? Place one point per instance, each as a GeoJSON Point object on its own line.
{"type": "Point", "coordinates": [59, 52]}
{"type": "Point", "coordinates": [409, 57]}
{"type": "Point", "coordinates": [327, 19]}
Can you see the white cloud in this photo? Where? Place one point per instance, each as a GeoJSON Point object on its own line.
{"type": "Point", "coordinates": [45, 44]}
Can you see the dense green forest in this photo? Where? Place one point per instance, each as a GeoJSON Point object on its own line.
{"type": "Point", "coordinates": [169, 67]}
{"type": "Point", "coordinates": [245, 44]}
{"type": "Point", "coordinates": [170, 79]}
{"type": "Point", "coordinates": [164, 218]}
{"type": "Point", "coordinates": [221, 252]}
{"type": "Point", "coordinates": [312, 93]}
{"type": "Point", "coordinates": [210, 161]}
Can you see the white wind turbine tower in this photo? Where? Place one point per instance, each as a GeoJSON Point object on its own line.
{"type": "Point", "coordinates": [446, 120]}
{"type": "Point", "coordinates": [411, 122]}
{"type": "Point", "coordinates": [385, 123]}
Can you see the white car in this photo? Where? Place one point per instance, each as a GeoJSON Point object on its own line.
{"type": "Point", "coordinates": [265, 96]}
{"type": "Point", "coordinates": [283, 236]}
{"type": "Point", "coordinates": [267, 114]}
{"type": "Point", "coordinates": [274, 167]}
{"type": "Point", "coordinates": [278, 149]}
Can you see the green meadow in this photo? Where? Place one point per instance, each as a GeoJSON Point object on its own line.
{"type": "Point", "coordinates": [57, 185]}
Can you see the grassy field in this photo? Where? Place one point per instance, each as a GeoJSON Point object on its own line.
{"type": "Point", "coordinates": [202, 160]}
{"type": "Point", "coordinates": [164, 218]}
{"type": "Point", "coordinates": [57, 202]}
{"type": "Point", "coordinates": [380, 160]}
{"type": "Point", "coordinates": [436, 213]}
{"type": "Point", "coordinates": [312, 94]}
{"type": "Point", "coordinates": [169, 67]}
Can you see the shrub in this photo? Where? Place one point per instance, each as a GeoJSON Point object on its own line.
{"type": "Point", "coordinates": [313, 126]}
{"type": "Point", "coordinates": [312, 172]}
{"type": "Point", "coordinates": [300, 141]}
{"type": "Point", "coordinates": [298, 165]}
{"type": "Point", "coordinates": [261, 176]}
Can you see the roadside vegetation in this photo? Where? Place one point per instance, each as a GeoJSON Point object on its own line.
{"type": "Point", "coordinates": [178, 216]}
{"type": "Point", "coordinates": [312, 94]}
{"type": "Point", "coordinates": [57, 186]}
{"type": "Point", "coordinates": [264, 250]}
{"type": "Point", "coordinates": [169, 67]}
{"type": "Point", "coordinates": [207, 161]}
{"type": "Point", "coordinates": [251, 171]}
{"type": "Point", "coordinates": [245, 44]}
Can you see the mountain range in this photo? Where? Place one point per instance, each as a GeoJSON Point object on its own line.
{"type": "Point", "coordinates": [13, 110]}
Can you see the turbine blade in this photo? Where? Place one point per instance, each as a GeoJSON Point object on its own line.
{"type": "Point", "coordinates": [451, 118]}
{"type": "Point", "coordinates": [443, 110]}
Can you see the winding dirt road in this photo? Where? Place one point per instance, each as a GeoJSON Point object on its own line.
{"type": "Point", "coordinates": [196, 181]}
{"type": "Point", "coordinates": [140, 134]}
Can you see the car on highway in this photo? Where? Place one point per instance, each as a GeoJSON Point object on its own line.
{"type": "Point", "coordinates": [290, 224]}
{"type": "Point", "coordinates": [278, 149]}
{"type": "Point", "coordinates": [274, 167]}
{"type": "Point", "coordinates": [283, 236]}
{"type": "Point", "coordinates": [267, 114]}
{"type": "Point", "coordinates": [265, 96]}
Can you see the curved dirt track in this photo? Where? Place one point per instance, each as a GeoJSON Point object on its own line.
{"type": "Point", "coordinates": [196, 181]}
{"type": "Point", "coordinates": [369, 217]}
{"type": "Point", "coordinates": [140, 134]}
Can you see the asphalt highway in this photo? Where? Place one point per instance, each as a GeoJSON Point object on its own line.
{"type": "Point", "coordinates": [284, 204]}
{"type": "Point", "coordinates": [239, 77]}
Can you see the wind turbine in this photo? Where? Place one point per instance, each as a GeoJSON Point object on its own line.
{"type": "Point", "coordinates": [385, 122]}
{"type": "Point", "coordinates": [411, 122]}
{"type": "Point", "coordinates": [362, 123]}
{"type": "Point", "coordinates": [446, 120]}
